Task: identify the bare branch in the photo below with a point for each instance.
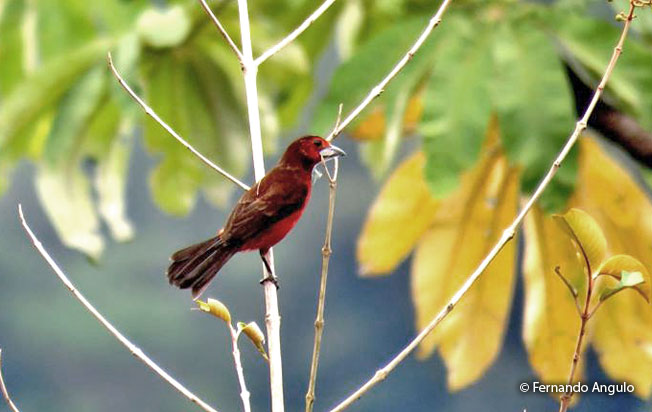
(137, 352)
(5, 393)
(380, 87)
(507, 235)
(326, 253)
(150, 112)
(295, 33)
(272, 316)
(222, 30)
(244, 393)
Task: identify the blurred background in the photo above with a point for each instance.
(111, 195)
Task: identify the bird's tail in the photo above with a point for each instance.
(195, 266)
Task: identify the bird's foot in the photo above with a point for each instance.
(270, 278)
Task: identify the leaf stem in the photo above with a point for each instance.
(151, 113)
(571, 289)
(135, 351)
(507, 235)
(5, 393)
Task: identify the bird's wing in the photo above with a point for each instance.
(266, 203)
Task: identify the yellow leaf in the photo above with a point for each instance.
(65, 194)
(255, 335)
(550, 311)
(413, 113)
(371, 127)
(374, 125)
(466, 226)
(622, 334)
(623, 325)
(215, 308)
(586, 235)
(399, 216)
(615, 265)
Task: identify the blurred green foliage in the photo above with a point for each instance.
(60, 107)
(504, 58)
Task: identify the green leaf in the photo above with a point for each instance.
(111, 184)
(591, 42)
(457, 104)
(11, 45)
(348, 26)
(629, 279)
(36, 93)
(534, 106)
(126, 58)
(197, 100)
(371, 62)
(65, 195)
(69, 25)
(174, 185)
(378, 155)
(586, 235)
(629, 272)
(162, 28)
(73, 116)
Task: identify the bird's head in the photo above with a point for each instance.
(307, 151)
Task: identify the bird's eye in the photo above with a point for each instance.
(317, 142)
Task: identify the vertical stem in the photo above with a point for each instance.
(584, 318)
(326, 252)
(244, 393)
(250, 72)
(272, 316)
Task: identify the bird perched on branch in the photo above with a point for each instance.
(262, 217)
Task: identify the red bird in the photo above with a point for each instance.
(263, 216)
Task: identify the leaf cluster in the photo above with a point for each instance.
(60, 108)
(501, 58)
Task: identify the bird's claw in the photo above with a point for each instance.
(271, 278)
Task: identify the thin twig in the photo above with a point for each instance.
(507, 235)
(326, 253)
(222, 30)
(295, 33)
(435, 20)
(272, 316)
(244, 393)
(564, 400)
(150, 112)
(135, 351)
(5, 393)
(571, 289)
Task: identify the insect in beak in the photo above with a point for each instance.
(331, 151)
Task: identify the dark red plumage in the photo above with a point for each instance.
(262, 217)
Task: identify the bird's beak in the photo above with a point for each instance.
(331, 151)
